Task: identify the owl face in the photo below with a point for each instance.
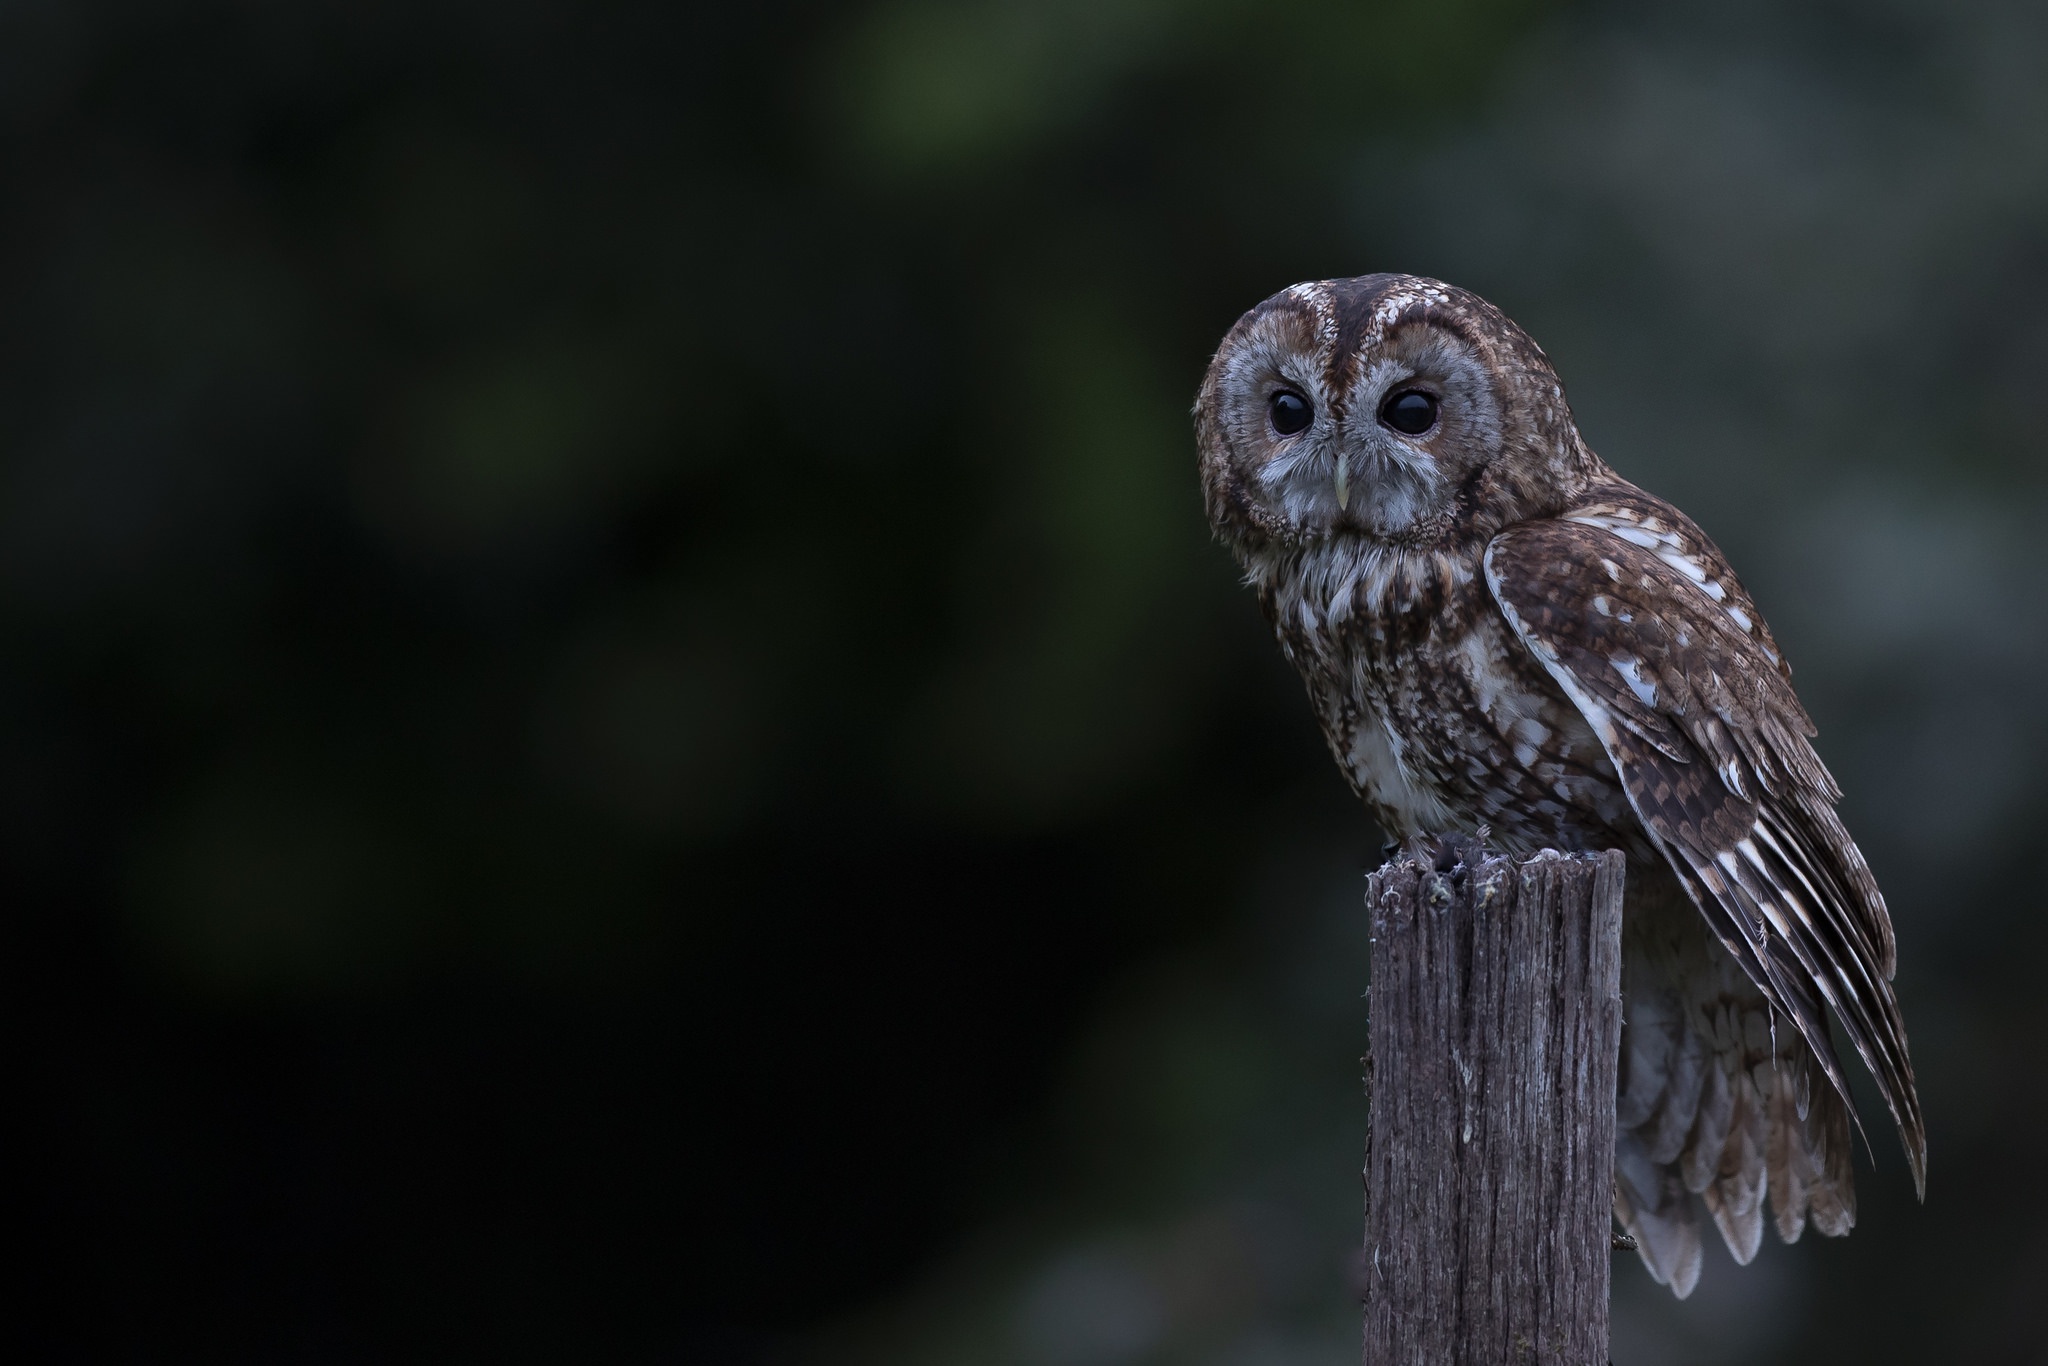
(1359, 407)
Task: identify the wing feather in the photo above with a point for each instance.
(1653, 640)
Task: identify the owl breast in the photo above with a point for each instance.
(1434, 710)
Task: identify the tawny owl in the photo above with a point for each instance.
(1498, 630)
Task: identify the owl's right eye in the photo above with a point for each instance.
(1290, 412)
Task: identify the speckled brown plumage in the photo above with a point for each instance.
(1497, 630)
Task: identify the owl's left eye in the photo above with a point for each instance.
(1412, 411)
(1290, 412)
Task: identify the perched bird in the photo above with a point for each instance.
(1498, 631)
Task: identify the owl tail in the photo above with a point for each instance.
(1721, 1107)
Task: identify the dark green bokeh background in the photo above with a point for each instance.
(620, 739)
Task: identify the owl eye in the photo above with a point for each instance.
(1410, 411)
(1291, 412)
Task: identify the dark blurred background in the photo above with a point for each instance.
(620, 739)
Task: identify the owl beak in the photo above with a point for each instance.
(1343, 480)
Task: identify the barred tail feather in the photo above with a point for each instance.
(1719, 1106)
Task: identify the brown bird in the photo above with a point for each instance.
(1498, 631)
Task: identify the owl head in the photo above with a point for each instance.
(1387, 407)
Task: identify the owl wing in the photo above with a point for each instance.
(1636, 616)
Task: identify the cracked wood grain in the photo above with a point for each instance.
(1495, 1033)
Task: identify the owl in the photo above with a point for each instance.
(1500, 633)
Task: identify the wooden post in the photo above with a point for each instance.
(1496, 1031)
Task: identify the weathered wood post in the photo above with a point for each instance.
(1495, 1033)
